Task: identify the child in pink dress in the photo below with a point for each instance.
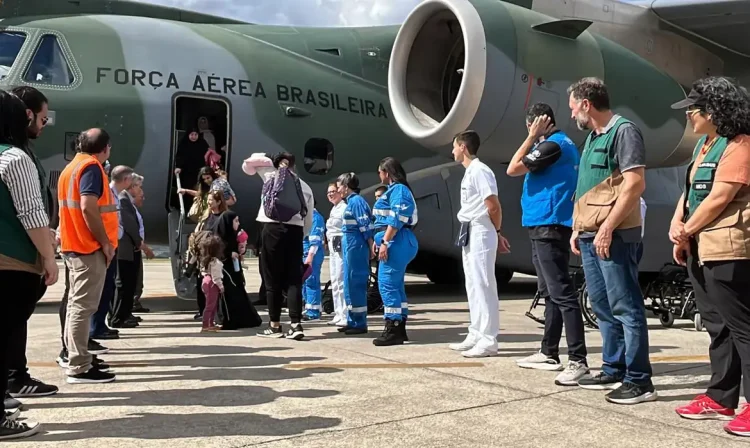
(211, 249)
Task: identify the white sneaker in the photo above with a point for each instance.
(574, 372)
(462, 346)
(477, 352)
(335, 321)
(540, 361)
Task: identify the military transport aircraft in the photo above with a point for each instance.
(341, 99)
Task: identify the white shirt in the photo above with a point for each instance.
(478, 184)
(306, 223)
(335, 221)
(643, 217)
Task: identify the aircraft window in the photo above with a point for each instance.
(10, 45)
(49, 65)
(318, 156)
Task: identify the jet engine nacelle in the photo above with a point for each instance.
(479, 64)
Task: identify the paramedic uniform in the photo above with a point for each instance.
(357, 231)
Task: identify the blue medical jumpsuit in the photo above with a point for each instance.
(311, 288)
(395, 208)
(357, 232)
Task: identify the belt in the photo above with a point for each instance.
(384, 228)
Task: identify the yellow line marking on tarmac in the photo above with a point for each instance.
(439, 365)
(680, 358)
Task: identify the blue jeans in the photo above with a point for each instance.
(99, 319)
(617, 301)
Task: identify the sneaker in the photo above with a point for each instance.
(573, 373)
(463, 346)
(336, 320)
(740, 426)
(704, 407)
(11, 404)
(11, 429)
(62, 359)
(12, 415)
(93, 376)
(96, 348)
(630, 393)
(296, 332)
(602, 381)
(478, 352)
(30, 387)
(540, 361)
(99, 364)
(271, 332)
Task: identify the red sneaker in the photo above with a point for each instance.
(740, 426)
(705, 408)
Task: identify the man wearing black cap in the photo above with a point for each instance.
(711, 230)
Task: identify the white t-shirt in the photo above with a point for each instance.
(478, 184)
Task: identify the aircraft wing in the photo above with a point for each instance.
(723, 22)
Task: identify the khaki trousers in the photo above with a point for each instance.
(87, 274)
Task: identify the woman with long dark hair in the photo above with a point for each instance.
(396, 246)
(711, 230)
(206, 178)
(357, 241)
(237, 311)
(26, 246)
(216, 206)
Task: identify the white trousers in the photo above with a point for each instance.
(481, 285)
(336, 264)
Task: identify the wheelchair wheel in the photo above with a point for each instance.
(667, 319)
(698, 322)
(588, 313)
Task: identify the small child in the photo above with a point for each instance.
(242, 245)
(210, 251)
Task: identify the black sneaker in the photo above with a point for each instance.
(12, 414)
(630, 393)
(296, 332)
(106, 336)
(99, 364)
(30, 387)
(602, 381)
(10, 429)
(93, 376)
(271, 332)
(11, 404)
(96, 348)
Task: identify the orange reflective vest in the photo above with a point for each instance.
(75, 235)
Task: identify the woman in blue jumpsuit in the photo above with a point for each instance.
(357, 242)
(313, 254)
(396, 246)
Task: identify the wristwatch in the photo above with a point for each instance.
(387, 243)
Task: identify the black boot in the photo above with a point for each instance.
(403, 328)
(392, 334)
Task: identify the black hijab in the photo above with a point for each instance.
(224, 229)
(191, 155)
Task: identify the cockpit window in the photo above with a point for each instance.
(10, 45)
(49, 65)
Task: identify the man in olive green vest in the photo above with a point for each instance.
(607, 229)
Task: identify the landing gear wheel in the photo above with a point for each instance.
(667, 319)
(698, 322)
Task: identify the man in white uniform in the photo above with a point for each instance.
(481, 218)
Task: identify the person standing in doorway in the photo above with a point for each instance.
(88, 238)
(480, 239)
(549, 160)
(335, 234)
(395, 246)
(607, 229)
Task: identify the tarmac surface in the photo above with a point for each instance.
(176, 387)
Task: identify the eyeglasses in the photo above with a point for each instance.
(331, 193)
(692, 112)
(44, 121)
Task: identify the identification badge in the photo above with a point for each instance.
(463, 235)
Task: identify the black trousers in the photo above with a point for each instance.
(64, 305)
(721, 293)
(127, 277)
(281, 264)
(17, 369)
(551, 255)
(17, 303)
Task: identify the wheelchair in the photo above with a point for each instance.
(672, 296)
(374, 300)
(579, 283)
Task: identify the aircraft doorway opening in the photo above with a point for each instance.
(208, 119)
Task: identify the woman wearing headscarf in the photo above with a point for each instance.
(189, 160)
(236, 308)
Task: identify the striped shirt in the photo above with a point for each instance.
(19, 174)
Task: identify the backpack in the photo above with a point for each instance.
(282, 196)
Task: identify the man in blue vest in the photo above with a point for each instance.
(549, 160)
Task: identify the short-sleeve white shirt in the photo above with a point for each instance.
(478, 184)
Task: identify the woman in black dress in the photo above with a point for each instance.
(236, 308)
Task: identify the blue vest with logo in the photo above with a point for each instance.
(547, 197)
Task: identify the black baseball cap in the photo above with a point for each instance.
(693, 99)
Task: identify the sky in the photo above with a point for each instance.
(302, 12)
